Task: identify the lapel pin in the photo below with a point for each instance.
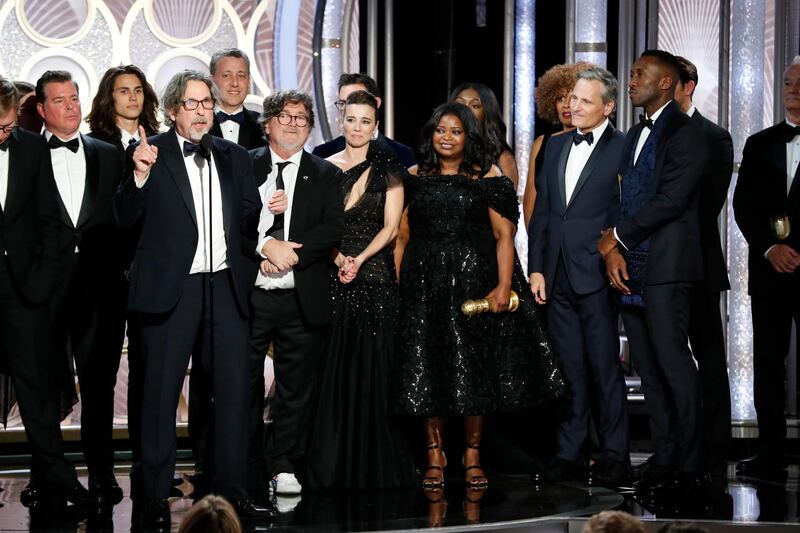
(305, 178)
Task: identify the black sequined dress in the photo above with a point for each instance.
(355, 442)
(457, 365)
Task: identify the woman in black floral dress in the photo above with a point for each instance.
(355, 443)
(456, 243)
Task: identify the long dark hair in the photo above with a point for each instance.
(493, 128)
(477, 160)
(103, 119)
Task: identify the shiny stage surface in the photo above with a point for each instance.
(512, 503)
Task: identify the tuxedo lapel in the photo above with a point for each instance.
(300, 196)
(92, 179)
(15, 155)
(62, 208)
(215, 130)
(262, 165)
(592, 162)
(562, 170)
(173, 159)
(222, 164)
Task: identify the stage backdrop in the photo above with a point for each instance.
(303, 44)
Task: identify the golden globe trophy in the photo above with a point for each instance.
(477, 307)
(781, 227)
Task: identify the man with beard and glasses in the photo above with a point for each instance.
(188, 287)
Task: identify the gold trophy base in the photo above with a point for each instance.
(480, 306)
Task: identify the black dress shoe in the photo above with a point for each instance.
(760, 467)
(682, 485)
(562, 470)
(105, 490)
(78, 495)
(30, 494)
(249, 510)
(151, 514)
(611, 473)
(653, 476)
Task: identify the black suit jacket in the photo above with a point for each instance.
(403, 153)
(572, 229)
(670, 218)
(760, 195)
(317, 223)
(713, 193)
(95, 234)
(169, 235)
(29, 221)
(251, 135)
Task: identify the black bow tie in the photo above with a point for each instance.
(191, 149)
(71, 145)
(222, 116)
(646, 122)
(580, 137)
(790, 132)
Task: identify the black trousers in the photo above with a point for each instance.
(772, 329)
(584, 331)
(708, 347)
(88, 314)
(26, 343)
(276, 319)
(659, 339)
(167, 340)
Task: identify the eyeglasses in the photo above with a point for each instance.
(340, 104)
(191, 104)
(8, 128)
(284, 119)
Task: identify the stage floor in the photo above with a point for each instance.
(512, 503)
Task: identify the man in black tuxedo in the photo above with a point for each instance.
(189, 283)
(230, 70)
(705, 320)
(653, 258)
(88, 303)
(767, 193)
(29, 262)
(291, 303)
(576, 186)
(350, 83)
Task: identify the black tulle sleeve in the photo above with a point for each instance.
(501, 196)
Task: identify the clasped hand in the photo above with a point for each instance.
(783, 258)
(280, 256)
(348, 270)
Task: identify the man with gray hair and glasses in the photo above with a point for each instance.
(196, 200)
(575, 191)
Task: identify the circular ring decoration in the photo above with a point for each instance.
(28, 70)
(43, 40)
(162, 35)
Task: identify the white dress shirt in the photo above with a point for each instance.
(578, 156)
(126, 138)
(69, 171)
(792, 158)
(281, 280)
(230, 129)
(210, 229)
(3, 177)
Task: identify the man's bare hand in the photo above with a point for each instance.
(783, 258)
(144, 157)
(278, 202)
(268, 268)
(281, 253)
(617, 270)
(607, 242)
(537, 288)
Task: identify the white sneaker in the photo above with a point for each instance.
(285, 483)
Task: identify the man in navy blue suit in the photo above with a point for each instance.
(575, 191)
(653, 258)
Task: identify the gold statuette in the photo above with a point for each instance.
(780, 226)
(476, 307)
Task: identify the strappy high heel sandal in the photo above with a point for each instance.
(475, 482)
(434, 482)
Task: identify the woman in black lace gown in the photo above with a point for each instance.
(457, 243)
(355, 443)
